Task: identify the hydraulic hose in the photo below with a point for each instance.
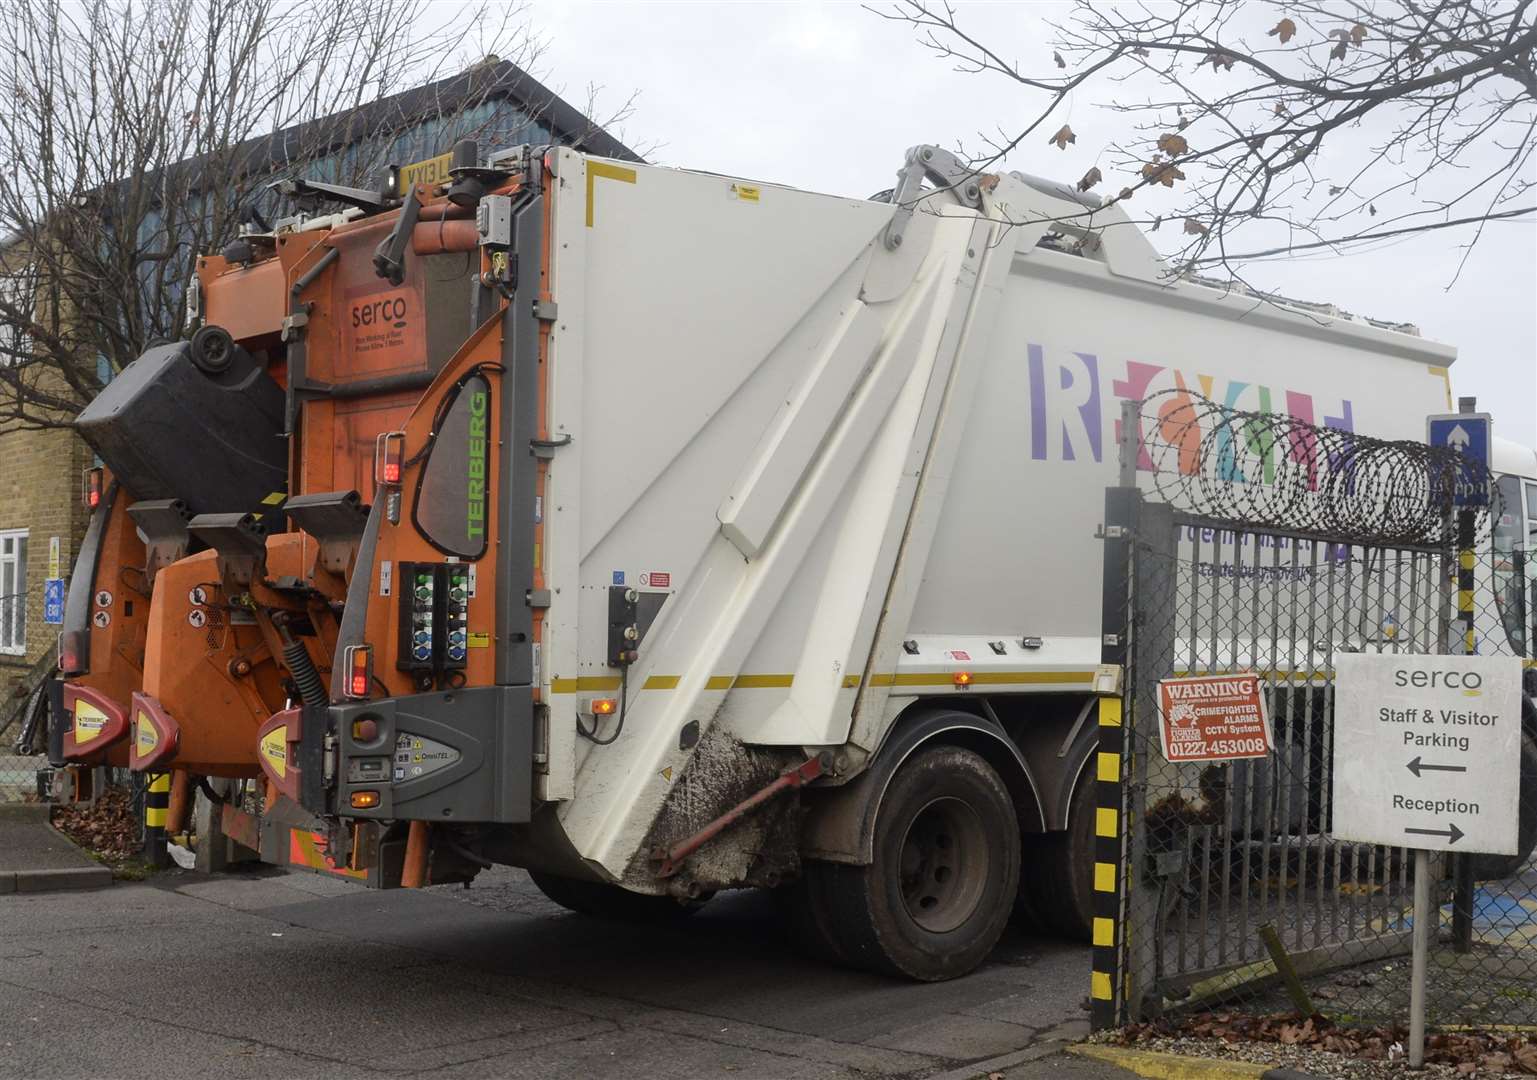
(297, 659)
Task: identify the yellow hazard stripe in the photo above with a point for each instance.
(1099, 986)
(1109, 712)
(761, 682)
(1105, 822)
(594, 683)
(1104, 931)
(1104, 877)
(596, 169)
(155, 816)
(1110, 767)
(982, 678)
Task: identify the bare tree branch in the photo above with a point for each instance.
(1271, 127)
(139, 134)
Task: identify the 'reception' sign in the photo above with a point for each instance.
(1427, 751)
(1213, 718)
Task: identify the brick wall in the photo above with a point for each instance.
(40, 492)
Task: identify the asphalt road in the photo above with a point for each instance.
(269, 974)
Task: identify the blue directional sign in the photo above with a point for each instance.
(1466, 434)
(53, 600)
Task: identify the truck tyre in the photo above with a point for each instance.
(1058, 883)
(1500, 867)
(937, 895)
(603, 901)
(809, 917)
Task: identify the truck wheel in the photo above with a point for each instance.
(604, 901)
(936, 897)
(809, 917)
(1499, 867)
(1059, 882)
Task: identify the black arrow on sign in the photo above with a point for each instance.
(1416, 765)
(1451, 832)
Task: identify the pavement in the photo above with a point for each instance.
(271, 973)
(35, 857)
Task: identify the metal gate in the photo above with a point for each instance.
(1254, 543)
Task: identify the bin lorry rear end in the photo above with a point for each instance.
(663, 532)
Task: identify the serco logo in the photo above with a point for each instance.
(390, 310)
(1460, 680)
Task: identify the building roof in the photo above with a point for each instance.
(494, 80)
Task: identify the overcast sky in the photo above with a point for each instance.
(828, 96)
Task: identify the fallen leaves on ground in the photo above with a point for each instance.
(107, 827)
(1468, 1051)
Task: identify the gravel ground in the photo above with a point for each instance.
(1320, 1063)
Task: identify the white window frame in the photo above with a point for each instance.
(13, 587)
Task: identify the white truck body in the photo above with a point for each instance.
(819, 446)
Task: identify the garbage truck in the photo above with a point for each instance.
(664, 532)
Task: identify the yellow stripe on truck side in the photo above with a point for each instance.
(746, 681)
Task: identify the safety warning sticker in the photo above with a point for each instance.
(274, 749)
(89, 721)
(145, 738)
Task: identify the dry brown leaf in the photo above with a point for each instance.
(1283, 30)
(1335, 190)
(988, 181)
(1357, 34)
(1195, 228)
(1220, 59)
(1126, 193)
(1280, 109)
(1373, 208)
(1164, 174)
(1090, 178)
(1140, 51)
(1413, 53)
(1173, 144)
(1063, 137)
(1061, 63)
(1338, 52)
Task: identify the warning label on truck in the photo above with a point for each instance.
(1213, 718)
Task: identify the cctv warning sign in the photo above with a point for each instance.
(1213, 718)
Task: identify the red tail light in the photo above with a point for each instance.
(358, 662)
(72, 653)
(92, 488)
(389, 454)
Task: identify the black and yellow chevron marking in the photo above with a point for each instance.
(157, 804)
(1107, 865)
(1465, 612)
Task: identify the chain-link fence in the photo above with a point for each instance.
(24, 731)
(1258, 549)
